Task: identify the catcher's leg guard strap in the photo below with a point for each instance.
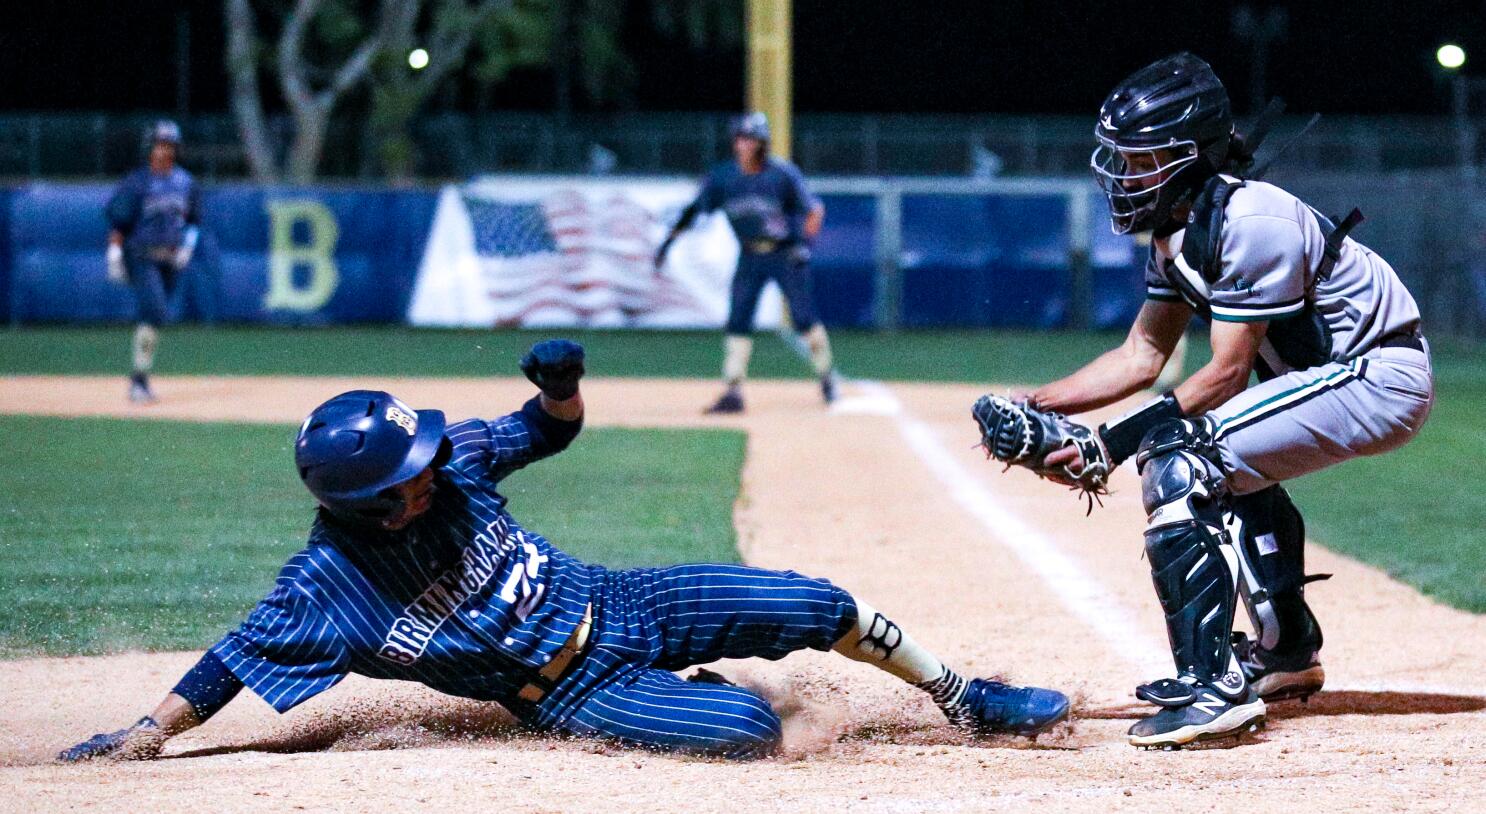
(1184, 542)
(1270, 535)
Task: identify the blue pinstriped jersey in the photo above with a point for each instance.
(770, 204)
(463, 600)
(153, 211)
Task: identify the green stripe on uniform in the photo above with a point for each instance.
(1321, 382)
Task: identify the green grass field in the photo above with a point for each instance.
(161, 535)
(111, 539)
(915, 355)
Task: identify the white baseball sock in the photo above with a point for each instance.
(878, 641)
(736, 352)
(820, 349)
(145, 340)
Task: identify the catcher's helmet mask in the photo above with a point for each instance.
(1176, 111)
(353, 451)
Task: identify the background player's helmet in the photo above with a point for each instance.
(163, 130)
(752, 125)
(357, 446)
(1177, 105)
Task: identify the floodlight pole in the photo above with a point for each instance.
(1465, 136)
(770, 73)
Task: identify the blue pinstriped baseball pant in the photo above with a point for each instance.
(153, 284)
(653, 621)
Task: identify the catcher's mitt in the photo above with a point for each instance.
(1015, 432)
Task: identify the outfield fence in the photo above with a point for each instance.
(1032, 253)
(452, 145)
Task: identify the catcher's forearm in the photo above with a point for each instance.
(1213, 384)
(1110, 377)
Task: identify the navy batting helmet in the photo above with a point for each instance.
(164, 130)
(1175, 111)
(752, 125)
(357, 446)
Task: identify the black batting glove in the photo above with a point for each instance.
(554, 366)
(142, 741)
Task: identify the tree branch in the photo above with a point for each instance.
(450, 45)
(351, 72)
(247, 100)
(291, 55)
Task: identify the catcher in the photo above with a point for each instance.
(1343, 371)
(415, 570)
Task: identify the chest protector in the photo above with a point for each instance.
(1301, 340)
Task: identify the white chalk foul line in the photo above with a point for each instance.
(1074, 586)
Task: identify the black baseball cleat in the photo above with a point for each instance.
(139, 389)
(992, 708)
(828, 387)
(1192, 711)
(731, 403)
(1279, 676)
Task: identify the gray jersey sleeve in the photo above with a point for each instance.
(1263, 270)
(1157, 286)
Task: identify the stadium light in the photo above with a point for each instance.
(1450, 56)
(417, 59)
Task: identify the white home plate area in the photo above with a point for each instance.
(1000, 573)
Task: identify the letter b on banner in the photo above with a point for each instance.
(314, 252)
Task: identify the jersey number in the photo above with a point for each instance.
(522, 588)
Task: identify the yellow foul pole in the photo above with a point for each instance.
(769, 68)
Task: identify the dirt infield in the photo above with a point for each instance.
(998, 572)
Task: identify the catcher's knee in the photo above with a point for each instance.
(1180, 475)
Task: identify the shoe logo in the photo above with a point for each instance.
(1210, 704)
(1231, 681)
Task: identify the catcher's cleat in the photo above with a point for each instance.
(139, 390)
(828, 387)
(992, 708)
(730, 403)
(1200, 714)
(1277, 676)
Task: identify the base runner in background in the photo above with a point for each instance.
(774, 216)
(416, 571)
(152, 218)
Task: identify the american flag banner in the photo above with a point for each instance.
(574, 252)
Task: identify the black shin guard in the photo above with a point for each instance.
(1271, 533)
(1196, 591)
(1184, 501)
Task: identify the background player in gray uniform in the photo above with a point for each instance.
(1344, 371)
(152, 217)
(774, 216)
(416, 571)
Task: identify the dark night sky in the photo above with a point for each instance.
(869, 55)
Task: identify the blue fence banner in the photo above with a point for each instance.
(267, 255)
(508, 251)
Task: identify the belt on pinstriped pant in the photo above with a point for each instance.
(566, 659)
